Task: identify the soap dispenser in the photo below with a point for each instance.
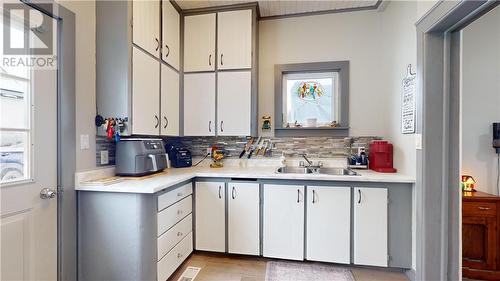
(283, 159)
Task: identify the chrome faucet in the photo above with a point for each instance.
(310, 163)
(307, 160)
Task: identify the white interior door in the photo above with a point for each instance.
(234, 39)
(169, 101)
(234, 103)
(199, 43)
(210, 218)
(370, 226)
(199, 104)
(329, 224)
(145, 94)
(171, 34)
(28, 164)
(283, 222)
(146, 25)
(243, 218)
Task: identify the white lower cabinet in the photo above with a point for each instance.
(370, 226)
(210, 216)
(170, 262)
(283, 221)
(328, 224)
(243, 218)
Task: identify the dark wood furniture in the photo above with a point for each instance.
(480, 236)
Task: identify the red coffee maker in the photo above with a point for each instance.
(380, 157)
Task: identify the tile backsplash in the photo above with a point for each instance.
(314, 147)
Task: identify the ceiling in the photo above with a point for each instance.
(279, 8)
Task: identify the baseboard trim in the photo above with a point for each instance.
(411, 273)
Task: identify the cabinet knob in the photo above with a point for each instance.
(179, 255)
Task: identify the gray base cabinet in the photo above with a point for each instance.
(126, 236)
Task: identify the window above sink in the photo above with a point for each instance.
(312, 99)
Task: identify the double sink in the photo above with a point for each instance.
(317, 170)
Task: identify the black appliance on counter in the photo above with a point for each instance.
(180, 157)
(496, 137)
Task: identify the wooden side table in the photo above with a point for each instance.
(480, 235)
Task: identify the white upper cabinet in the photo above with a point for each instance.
(199, 104)
(370, 226)
(243, 218)
(171, 34)
(234, 103)
(210, 216)
(199, 43)
(146, 25)
(169, 101)
(283, 233)
(145, 94)
(328, 224)
(234, 39)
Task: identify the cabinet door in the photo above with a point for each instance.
(283, 222)
(479, 242)
(171, 34)
(370, 226)
(210, 216)
(234, 39)
(199, 43)
(243, 218)
(234, 108)
(145, 94)
(328, 224)
(146, 25)
(199, 104)
(169, 101)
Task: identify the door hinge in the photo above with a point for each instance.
(389, 258)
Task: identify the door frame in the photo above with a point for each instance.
(66, 137)
(438, 195)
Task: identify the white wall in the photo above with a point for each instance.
(85, 79)
(481, 99)
(379, 45)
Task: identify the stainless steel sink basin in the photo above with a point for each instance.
(323, 171)
(294, 170)
(336, 172)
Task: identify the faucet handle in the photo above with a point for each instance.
(301, 164)
(320, 164)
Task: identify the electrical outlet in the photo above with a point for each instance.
(84, 142)
(104, 157)
(418, 141)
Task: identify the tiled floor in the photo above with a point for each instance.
(237, 268)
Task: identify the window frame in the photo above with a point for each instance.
(340, 67)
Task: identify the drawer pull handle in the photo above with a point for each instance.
(179, 255)
(179, 212)
(180, 194)
(484, 208)
(179, 234)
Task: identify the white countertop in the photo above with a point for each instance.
(173, 176)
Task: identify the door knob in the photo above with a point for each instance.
(47, 193)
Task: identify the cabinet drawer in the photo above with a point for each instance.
(169, 263)
(170, 238)
(173, 196)
(173, 214)
(482, 209)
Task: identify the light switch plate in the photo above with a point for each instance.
(104, 157)
(418, 141)
(84, 142)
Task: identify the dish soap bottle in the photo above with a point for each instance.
(282, 159)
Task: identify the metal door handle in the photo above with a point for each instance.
(210, 59)
(233, 193)
(210, 126)
(359, 198)
(314, 195)
(166, 122)
(298, 195)
(157, 44)
(47, 193)
(221, 124)
(157, 121)
(168, 50)
(220, 195)
(221, 59)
